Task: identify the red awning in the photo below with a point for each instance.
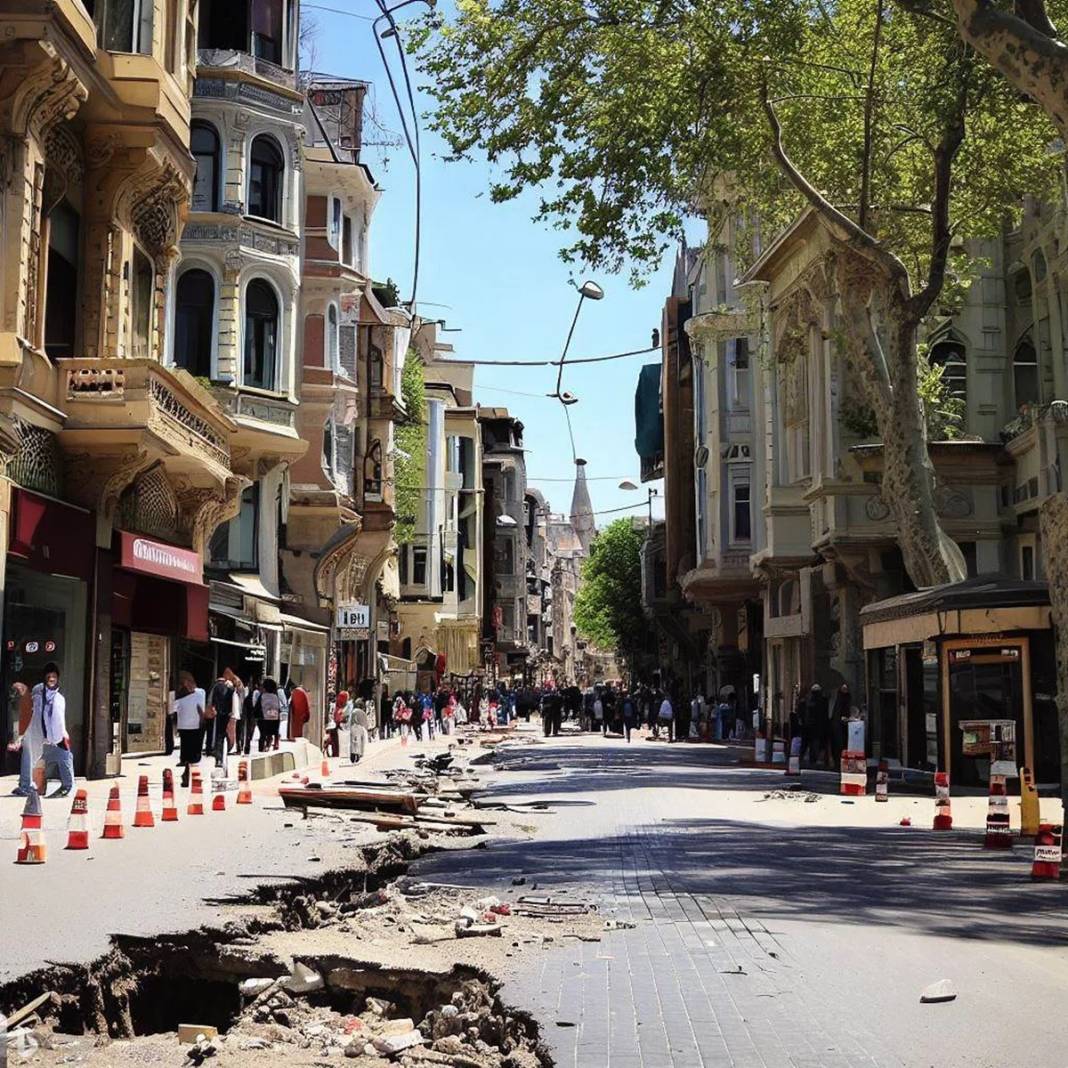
(158, 606)
(51, 536)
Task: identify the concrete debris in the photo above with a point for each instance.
(792, 794)
(303, 980)
(251, 988)
(943, 990)
(619, 925)
(393, 1044)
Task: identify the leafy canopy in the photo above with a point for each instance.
(626, 116)
(608, 605)
(410, 461)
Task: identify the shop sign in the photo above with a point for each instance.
(352, 614)
(353, 634)
(159, 558)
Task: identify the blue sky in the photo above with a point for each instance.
(487, 269)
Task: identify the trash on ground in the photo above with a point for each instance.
(943, 990)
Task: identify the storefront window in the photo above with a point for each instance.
(234, 544)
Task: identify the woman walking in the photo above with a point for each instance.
(189, 721)
(359, 726)
(333, 726)
(269, 714)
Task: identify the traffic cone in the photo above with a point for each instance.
(32, 848)
(853, 774)
(244, 792)
(78, 824)
(218, 797)
(196, 795)
(324, 771)
(998, 835)
(882, 782)
(143, 815)
(170, 810)
(113, 827)
(1047, 862)
(943, 820)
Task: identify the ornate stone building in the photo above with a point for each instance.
(339, 546)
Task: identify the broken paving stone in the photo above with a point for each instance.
(400, 1026)
(303, 980)
(943, 990)
(392, 1044)
(379, 1006)
(251, 988)
(476, 930)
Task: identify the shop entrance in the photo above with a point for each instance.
(44, 620)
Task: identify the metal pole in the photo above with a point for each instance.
(567, 344)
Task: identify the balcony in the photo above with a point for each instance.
(116, 403)
(265, 425)
(229, 61)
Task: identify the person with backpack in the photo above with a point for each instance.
(598, 713)
(218, 712)
(666, 716)
(629, 709)
(268, 712)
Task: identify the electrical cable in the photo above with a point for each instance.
(555, 363)
(338, 11)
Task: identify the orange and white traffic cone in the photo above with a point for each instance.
(218, 797)
(943, 820)
(170, 810)
(882, 782)
(324, 771)
(853, 774)
(1047, 862)
(32, 849)
(244, 791)
(113, 827)
(78, 824)
(196, 795)
(998, 834)
(143, 815)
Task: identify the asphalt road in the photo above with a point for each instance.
(770, 933)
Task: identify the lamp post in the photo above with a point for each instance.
(626, 484)
(587, 291)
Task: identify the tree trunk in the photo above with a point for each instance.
(931, 556)
(1053, 519)
(886, 365)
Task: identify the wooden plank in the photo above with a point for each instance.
(28, 1009)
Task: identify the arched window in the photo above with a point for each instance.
(332, 337)
(261, 335)
(204, 144)
(194, 322)
(950, 356)
(266, 166)
(1025, 373)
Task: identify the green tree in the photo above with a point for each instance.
(410, 437)
(608, 605)
(626, 115)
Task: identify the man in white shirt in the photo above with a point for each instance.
(56, 749)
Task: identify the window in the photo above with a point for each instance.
(141, 305)
(335, 223)
(740, 364)
(1025, 373)
(261, 335)
(332, 339)
(125, 25)
(267, 30)
(265, 179)
(402, 564)
(233, 545)
(194, 322)
(223, 24)
(950, 356)
(742, 512)
(204, 144)
(376, 367)
(346, 242)
(1021, 285)
(61, 295)
(328, 448)
(1027, 563)
(419, 565)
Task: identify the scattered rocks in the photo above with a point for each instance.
(936, 993)
(303, 980)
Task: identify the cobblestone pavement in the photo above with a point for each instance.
(765, 944)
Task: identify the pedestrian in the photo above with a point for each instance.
(816, 725)
(283, 717)
(402, 715)
(359, 726)
(796, 721)
(237, 704)
(299, 711)
(683, 717)
(31, 738)
(268, 714)
(334, 721)
(740, 726)
(218, 712)
(630, 714)
(843, 704)
(666, 716)
(55, 747)
(598, 713)
(189, 720)
(249, 717)
(385, 715)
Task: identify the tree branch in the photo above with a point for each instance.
(840, 225)
(941, 230)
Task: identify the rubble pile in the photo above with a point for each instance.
(318, 1012)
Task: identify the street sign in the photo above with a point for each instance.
(353, 634)
(352, 614)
